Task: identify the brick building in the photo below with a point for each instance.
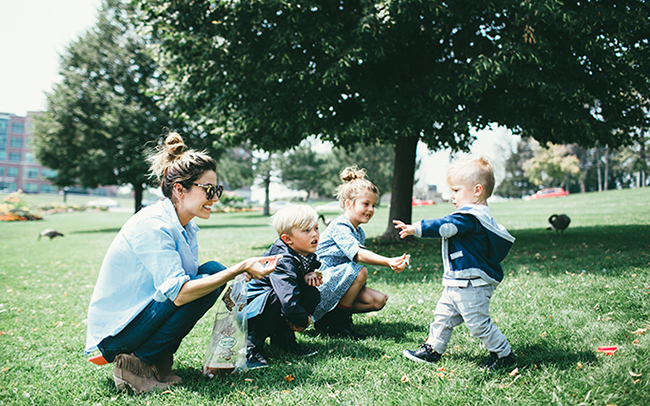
(18, 168)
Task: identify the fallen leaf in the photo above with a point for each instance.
(286, 391)
(636, 342)
(5, 369)
(404, 379)
(289, 378)
(633, 374)
(248, 380)
(579, 365)
(640, 331)
(514, 372)
(636, 380)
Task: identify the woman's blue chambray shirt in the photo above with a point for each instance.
(150, 259)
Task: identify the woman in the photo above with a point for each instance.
(151, 290)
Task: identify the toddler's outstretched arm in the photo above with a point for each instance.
(405, 229)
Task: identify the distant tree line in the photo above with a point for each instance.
(531, 167)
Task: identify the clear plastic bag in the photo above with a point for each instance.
(227, 349)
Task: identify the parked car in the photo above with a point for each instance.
(548, 192)
(275, 206)
(331, 207)
(420, 202)
(103, 202)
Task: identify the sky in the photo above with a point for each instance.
(34, 33)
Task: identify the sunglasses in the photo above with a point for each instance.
(211, 190)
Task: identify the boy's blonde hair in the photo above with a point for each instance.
(473, 170)
(354, 185)
(294, 217)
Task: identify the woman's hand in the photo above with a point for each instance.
(405, 229)
(314, 279)
(259, 267)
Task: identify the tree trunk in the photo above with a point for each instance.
(598, 165)
(137, 194)
(402, 189)
(606, 174)
(267, 193)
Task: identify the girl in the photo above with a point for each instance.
(151, 290)
(341, 251)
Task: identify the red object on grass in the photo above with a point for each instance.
(608, 350)
(98, 359)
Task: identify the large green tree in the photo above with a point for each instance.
(398, 72)
(101, 118)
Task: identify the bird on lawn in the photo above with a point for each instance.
(559, 222)
(326, 222)
(49, 232)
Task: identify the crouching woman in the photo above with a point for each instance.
(151, 290)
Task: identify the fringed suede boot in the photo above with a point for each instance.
(132, 372)
(163, 369)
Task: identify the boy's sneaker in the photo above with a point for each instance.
(292, 347)
(255, 360)
(302, 352)
(494, 362)
(423, 354)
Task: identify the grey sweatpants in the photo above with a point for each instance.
(472, 306)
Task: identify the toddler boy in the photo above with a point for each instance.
(473, 245)
(282, 302)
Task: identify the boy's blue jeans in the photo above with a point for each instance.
(160, 326)
(470, 305)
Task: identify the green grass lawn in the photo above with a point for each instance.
(563, 297)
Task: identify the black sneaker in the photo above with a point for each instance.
(292, 347)
(423, 354)
(255, 360)
(494, 362)
(302, 352)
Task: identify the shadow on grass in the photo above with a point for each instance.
(537, 355)
(385, 330)
(100, 230)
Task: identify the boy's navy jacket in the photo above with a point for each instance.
(473, 244)
(288, 282)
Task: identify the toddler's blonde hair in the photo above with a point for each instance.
(354, 185)
(294, 217)
(473, 170)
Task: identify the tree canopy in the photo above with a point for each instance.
(100, 118)
(398, 72)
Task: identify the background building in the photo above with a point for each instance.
(18, 168)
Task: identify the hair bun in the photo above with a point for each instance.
(174, 145)
(352, 173)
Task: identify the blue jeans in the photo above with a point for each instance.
(160, 326)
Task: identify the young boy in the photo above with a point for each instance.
(473, 245)
(283, 302)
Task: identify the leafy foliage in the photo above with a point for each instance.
(101, 119)
(551, 166)
(274, 72)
